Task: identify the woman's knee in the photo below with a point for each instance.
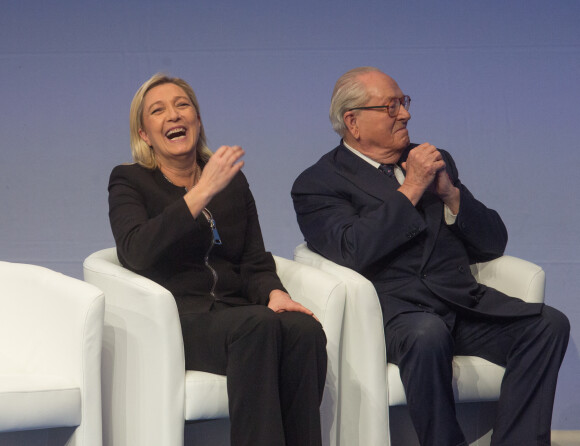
(257, 322)
(301, 327)
(556, 322)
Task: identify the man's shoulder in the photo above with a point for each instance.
(321, 169)
(329, 159)
(318, 173)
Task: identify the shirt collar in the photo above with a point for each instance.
(362, 155)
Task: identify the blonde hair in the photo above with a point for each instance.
(142, 153)
(349, 92)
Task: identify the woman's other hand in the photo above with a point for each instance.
(281, 302)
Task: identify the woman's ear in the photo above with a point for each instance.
(144, 137)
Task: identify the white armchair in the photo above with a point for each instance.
(50, 356)
(147, 395)
(368, 388)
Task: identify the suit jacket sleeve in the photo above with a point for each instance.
(480, 228)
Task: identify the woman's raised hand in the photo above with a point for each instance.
(224, 164)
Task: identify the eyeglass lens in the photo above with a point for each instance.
(396, 103)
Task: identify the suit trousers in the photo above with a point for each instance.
(530, 348)
(275, 364)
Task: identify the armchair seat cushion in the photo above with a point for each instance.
(38, 401)
(206, 396)
(474, 379)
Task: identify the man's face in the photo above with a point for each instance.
(378, 134)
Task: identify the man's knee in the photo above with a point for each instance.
(432, 337)
(420, 335)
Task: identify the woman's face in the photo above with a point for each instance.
(170, 123)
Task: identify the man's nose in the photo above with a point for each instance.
(404, 114)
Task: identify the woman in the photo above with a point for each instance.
(186, 219)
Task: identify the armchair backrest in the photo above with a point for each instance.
(142, 349)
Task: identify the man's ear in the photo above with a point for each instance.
(144, 137)
(351, 124)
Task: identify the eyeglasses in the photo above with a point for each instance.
(392, 108)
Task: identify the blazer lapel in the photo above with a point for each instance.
(433, 211)
(363, 175)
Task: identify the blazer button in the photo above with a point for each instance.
(461, 269)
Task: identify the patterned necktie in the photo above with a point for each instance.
(388, 169)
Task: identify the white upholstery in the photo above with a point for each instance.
(50, 352)
(147, 396)
(209, 396)
(367, 387)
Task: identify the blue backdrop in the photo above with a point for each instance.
(495, 83)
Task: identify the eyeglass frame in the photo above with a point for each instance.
(405, 101)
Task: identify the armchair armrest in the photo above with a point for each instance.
(324, 295)
(363, 375)
(512, 276)
(142, 349)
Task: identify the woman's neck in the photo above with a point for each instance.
(182, 176)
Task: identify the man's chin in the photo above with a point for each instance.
(403, 131)
(405, 140)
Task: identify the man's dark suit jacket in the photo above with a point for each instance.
(352, 214)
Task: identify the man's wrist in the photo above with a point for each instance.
(453, 200)
(412, 192)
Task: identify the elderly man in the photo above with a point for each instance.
(397, 213)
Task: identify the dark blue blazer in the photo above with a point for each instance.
(352, 214)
